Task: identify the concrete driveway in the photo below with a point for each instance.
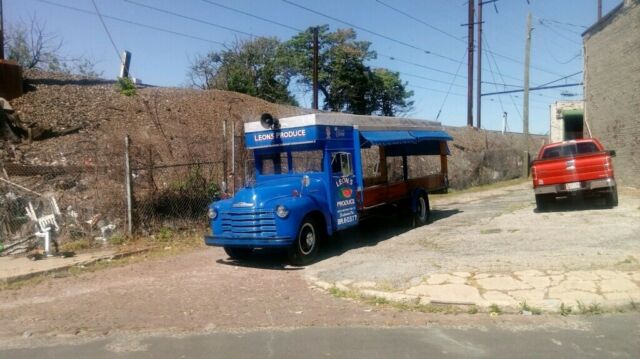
(494, 247)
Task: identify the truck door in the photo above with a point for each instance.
(343, 189)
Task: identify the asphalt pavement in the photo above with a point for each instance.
(610, 336)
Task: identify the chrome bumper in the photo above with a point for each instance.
(584, 186)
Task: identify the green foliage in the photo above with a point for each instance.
(264, 67)
(126, 86)
(117, 240)
(565, 309)
(253, 67)
(196, 185)
(524, 307)
(165, 234)
(346, 82)
(494, 308)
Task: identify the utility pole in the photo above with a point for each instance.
(315, 68)
(1, 32)
(470, 65)
(479, 90)
(599, 9)
(525, 104)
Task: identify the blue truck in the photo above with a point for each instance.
(320, 173)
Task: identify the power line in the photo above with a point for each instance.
(435, 90)
(370, 31)
(429, 79)
(393, 58)
(486, 43)
(421, 21)
(252, 15)
(130, 22)
(562, 78)
(464, 54)
(106, 29)
(558, 33)
(456, 38)
(533, 89)
(191, 18)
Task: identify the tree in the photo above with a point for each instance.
(346, 82)
(390, 93)
(32, 46)
(253, 67)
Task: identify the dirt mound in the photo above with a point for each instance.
(179, 123)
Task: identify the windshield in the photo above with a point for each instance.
(569, 150)
(290, 162)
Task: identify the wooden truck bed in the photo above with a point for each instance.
(384, 193)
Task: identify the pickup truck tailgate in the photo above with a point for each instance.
(573, 169)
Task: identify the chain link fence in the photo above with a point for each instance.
(84, 197)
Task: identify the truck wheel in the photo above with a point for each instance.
(238, 253)
(423, 213)
(542, 202)
(612, 198)
(305, 247)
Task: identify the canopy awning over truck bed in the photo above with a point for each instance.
(385, 138)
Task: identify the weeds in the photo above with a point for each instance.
(494, 308)
(565, 309)
(593, 308)
(524, 307)
(126, 86)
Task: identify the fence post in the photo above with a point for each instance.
(127, 183)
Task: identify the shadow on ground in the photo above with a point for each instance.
(570, 204)
(368, 233)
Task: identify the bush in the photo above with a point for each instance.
(126, 86)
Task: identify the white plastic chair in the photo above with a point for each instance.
(45, 225)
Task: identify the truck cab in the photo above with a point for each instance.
(310, 181)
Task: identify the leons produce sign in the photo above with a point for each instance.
(346, 213)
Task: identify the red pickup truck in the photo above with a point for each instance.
(574, 168)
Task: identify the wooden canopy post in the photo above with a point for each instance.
(444, 169)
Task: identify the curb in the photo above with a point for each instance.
(21, 277)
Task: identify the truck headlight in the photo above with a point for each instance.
(282, 211)
(212, 213)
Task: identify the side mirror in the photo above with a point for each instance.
(612, 153)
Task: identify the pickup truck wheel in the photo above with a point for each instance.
(542, 202)
(238, 253)
(422, 213)
(305, 247)
(612, 198)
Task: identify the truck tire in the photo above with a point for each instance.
(611, 198)
(422, 213)
(238, 253)
(305, 247)
(542, 202)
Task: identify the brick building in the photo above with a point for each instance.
(612, 86)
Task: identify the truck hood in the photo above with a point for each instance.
(267, 193)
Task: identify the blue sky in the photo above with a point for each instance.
(161, 58)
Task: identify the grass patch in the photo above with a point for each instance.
(494, 308)
(593, 308)
(628, 260)
(180, 243)
(76, 245)
(491, 231)
(524, 307)
(403, 306)
(565, 309)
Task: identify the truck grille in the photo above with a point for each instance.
(249, 223)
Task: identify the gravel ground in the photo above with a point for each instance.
(201, 292)
(497, 230)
